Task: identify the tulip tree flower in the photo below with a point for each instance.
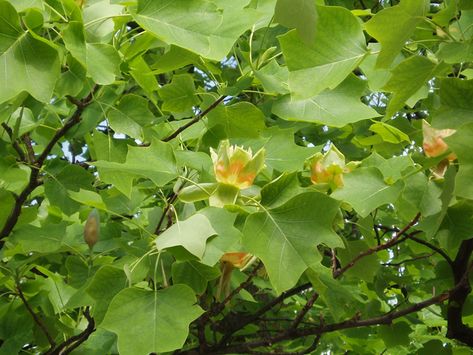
(235, 169)
(435, 146)
(236, 166)
(433, 143)
(229, 262)
(329, 168)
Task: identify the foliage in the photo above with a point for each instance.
(246, 176)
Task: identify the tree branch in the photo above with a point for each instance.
(194, 120)
(300, 316)
(456, 329)
(34, 181)
(76, 340)
(355, 322)
(393, 241)
(239, 321)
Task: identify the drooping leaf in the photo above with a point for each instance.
(337, 48)
(460, 143)
(194, 274)
(195, 25)
(156, 162)
(179, 95)
(336, 108)
(365, 190)
(286, 238)
(130, 115)
(57, 186)
(239, 120)
(299, 14)
(401, 84)
(192, 234)
(30, 63)
(393, 26)
(164, 317)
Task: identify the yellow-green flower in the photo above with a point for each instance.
(433, 143)
(329, 168)
(236, 166)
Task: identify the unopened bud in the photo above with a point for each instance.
(92, 228)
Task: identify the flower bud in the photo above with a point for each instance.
(92, 228)
(237, 259)
(329, 168)
(433, 143)
(236, 166)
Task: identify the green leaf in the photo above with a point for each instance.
(7, 201)
(337, 49)
(98, 20)
(458, 221)
(335, 108)
(200, 26)
(228, 237)
(391, 168)
(156, 162)
(456, 97)
(286, 238)
(401, 84)
(460, 143)
(456, 52)
(192, 234)
(364, 269)
(194, 274)
(70, 178)
(365, 190)
(104, 285)
(393, 26)
(389, 133)
(422, 195)
(274, 78)
(45, 239)
(282, 153)
(88, 198)
(163, 317)
(179, 95)
(29, 63)
(395, 334)
(239, 120)
(130, 116)
(103, 63)
(280, 190)
(299, 14)
(73, 36)
(142, 73)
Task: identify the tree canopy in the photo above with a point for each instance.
(232, 177)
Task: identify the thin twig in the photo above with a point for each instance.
(420, 257)
(434, 248)
(194, 120)
(170, 200)
(14, 143)
(29, 148)
(300, 316)
(36, 317)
